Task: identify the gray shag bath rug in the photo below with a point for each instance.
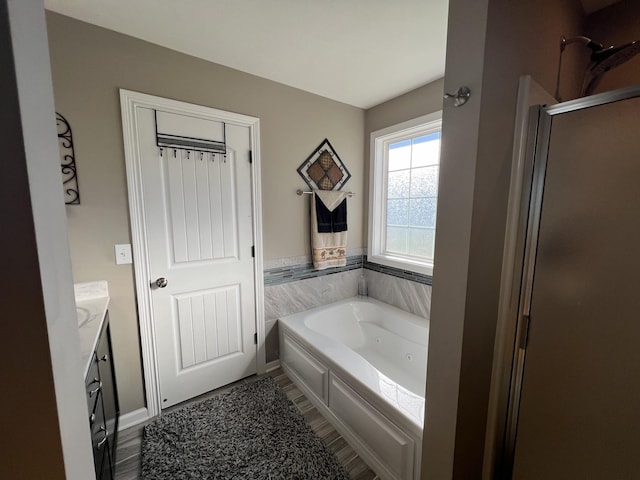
(251, 432)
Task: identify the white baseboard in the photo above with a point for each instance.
(133, 418)
(271, 366)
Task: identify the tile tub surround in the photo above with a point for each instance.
(292, 286)
(310, 292)
(408, 295)
(298, 296)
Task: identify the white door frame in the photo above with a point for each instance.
(129, 101)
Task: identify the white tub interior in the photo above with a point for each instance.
(394, 342)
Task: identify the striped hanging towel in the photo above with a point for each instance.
(328, 229)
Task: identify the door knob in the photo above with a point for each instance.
(161, 282)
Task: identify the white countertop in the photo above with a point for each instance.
(92, 301)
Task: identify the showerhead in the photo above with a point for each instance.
(606, 59)
(602, 60)
(586, 41)
(611, 57)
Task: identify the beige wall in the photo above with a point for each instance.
(421, 101)
(464, 66)
(89, 65)
(491, 43)
(522, 38)
(617, 25)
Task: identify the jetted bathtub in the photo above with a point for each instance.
(363, 364)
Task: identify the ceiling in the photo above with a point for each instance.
(591, 6)
(360, 52)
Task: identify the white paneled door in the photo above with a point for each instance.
(198, 219)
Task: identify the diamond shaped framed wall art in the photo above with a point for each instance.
(323, 169)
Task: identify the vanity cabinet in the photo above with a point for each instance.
(102, 404)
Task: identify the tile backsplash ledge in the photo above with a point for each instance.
(294, 273)
(292, 285)
(291, 269)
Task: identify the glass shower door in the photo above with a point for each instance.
(579, 406)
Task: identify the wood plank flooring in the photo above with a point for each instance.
(130, 440)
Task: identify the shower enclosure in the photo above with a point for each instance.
(574, 389)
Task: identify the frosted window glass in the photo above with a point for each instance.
(424, 181)
(412, 190)
(422, 212)
(398, 184)
(397, 239)
(421, 241)
(397, 212)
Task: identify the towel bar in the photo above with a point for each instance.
(302, 192)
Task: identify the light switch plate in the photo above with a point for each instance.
(123, 254)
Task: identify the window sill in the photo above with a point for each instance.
(401, 264)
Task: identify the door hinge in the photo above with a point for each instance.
(250, 156)
(253, 251)
(255, 338)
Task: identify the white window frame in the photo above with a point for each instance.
(378, 173)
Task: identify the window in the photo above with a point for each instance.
(405, 161)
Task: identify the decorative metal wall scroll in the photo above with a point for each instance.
(323, 169)
(67, 161)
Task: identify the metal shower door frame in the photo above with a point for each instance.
(538, 140)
